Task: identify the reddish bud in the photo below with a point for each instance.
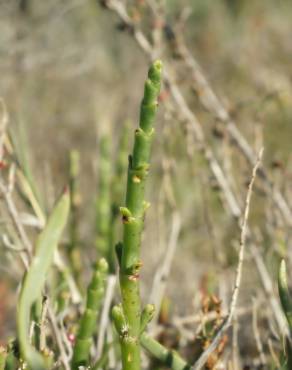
(71, 337)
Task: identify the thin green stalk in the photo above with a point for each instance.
(103, 202)
(133, 220)
(95, 293)
(74, 250)
(170, 358)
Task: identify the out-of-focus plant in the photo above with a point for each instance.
(88, 322)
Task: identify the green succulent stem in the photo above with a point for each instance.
(170, 358)
(133, 221)
(146, 316)
(95, 293)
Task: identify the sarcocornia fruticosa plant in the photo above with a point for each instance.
(74, 295)
(65, 324)
(128, 316)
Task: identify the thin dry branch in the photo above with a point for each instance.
(58, 337)
(104, 319)
(13, 213)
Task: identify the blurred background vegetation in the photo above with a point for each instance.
(70, 72)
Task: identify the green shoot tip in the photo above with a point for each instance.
(102, 265)
(155, 72)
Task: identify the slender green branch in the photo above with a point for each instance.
(133, 220)
(146, 316)
(170, 358)
(88, 322)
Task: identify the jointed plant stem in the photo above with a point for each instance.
(128, 316)
(170, 358)
(95, 293)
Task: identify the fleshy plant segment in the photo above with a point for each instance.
(95, 293)
(127, 316)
